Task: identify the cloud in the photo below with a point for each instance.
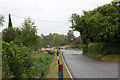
(55, 10)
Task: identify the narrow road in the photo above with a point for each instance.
(82, 66)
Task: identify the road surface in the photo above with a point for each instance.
(81, 66)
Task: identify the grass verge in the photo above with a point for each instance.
(53, 69)
(65, 72)
(0, 68)
(110, 57)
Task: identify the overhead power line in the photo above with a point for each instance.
(42, 20)
(56, 27)
(52, 27)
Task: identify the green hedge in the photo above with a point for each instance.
(102, 48)
(85, 49)
(95, 48)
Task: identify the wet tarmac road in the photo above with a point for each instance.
(81, 66)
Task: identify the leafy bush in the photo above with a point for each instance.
(95, 48)
(103, 48)
(85, 49)
(19, 63)
(52, 52)
(16, 60)
(41, 62)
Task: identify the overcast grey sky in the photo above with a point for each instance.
(50, 16)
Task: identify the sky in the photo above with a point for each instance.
(50, 16)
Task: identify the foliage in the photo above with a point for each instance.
(1, 20)
(41, 62)
(95, 48)
(59, 40)
(47, 40)
(85, 49)
(101, 49)
(16, 59)
(16, 54)
(9, 34)
(52, 52)
(98, 25)
(70, 36)
(10, 22)
(19, 63)
(77, 43)
(28, 35)
(54, 40)
(38, 43)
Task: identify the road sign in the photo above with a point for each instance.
(58, 62)
(58, 59)
(58, 51)
(60, 68)
(60, 72)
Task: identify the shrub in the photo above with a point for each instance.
(41, 62)
(95, 48)
(85, 49)
(52, 52)
(103, 48)
(17, 60)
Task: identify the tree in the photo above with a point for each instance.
(47, 40)
(98, 25)
(59, 40)
(9, 34)
(10, 22)
(1, 20)
(28, 35)
(39, 43)
(70, 35)
(77, 43)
